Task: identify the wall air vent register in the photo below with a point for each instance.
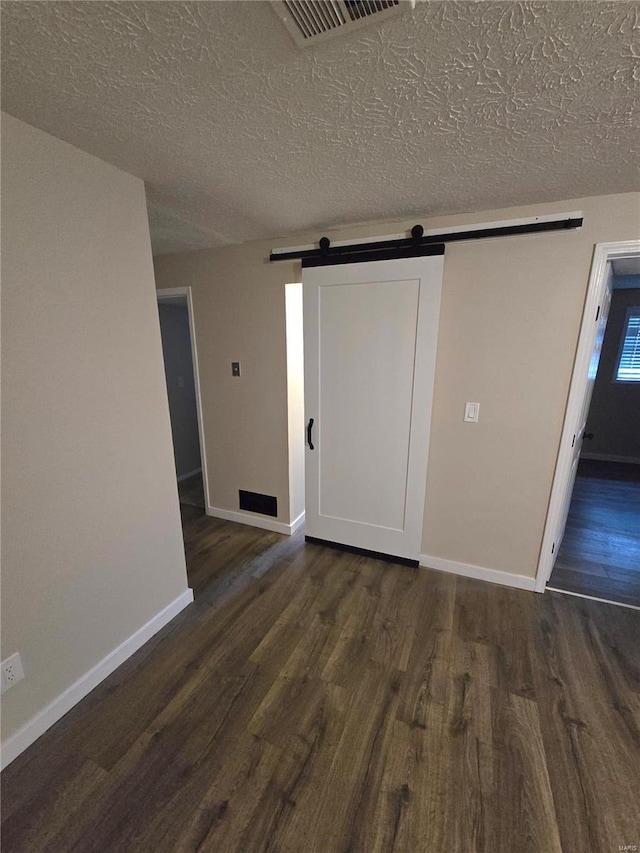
(308, 21)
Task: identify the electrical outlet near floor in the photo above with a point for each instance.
(12, 671)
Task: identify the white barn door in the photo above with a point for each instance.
(370, 335)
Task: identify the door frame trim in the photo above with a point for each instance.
(166, 295)
(602, 254)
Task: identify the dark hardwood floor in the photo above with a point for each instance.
(191, 491)
(314, 700)
(600, 552)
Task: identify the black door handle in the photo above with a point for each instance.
(588, 435)
(309, 428)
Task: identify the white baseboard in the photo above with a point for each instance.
(607, 457)
(189, 474)
(297, 523)
(44, 719)
(256, 520)
(478, 572)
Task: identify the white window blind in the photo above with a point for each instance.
(628, 369)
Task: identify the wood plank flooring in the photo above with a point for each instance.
(314, 700)
(600, 552)
(191, 491)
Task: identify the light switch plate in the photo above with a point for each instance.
(235, 368)
(471, 412)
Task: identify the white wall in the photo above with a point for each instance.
(510, 317)
(239, 315)
(91, 539)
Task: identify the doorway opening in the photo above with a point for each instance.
(175, 309)
(592, 538)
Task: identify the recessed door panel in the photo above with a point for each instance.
(367, 355)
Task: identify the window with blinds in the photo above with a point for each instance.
(628, 368)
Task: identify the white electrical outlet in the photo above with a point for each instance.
(12, 671)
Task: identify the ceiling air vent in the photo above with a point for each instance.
(308, 21)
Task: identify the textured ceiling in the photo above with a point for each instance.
(457, 106)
